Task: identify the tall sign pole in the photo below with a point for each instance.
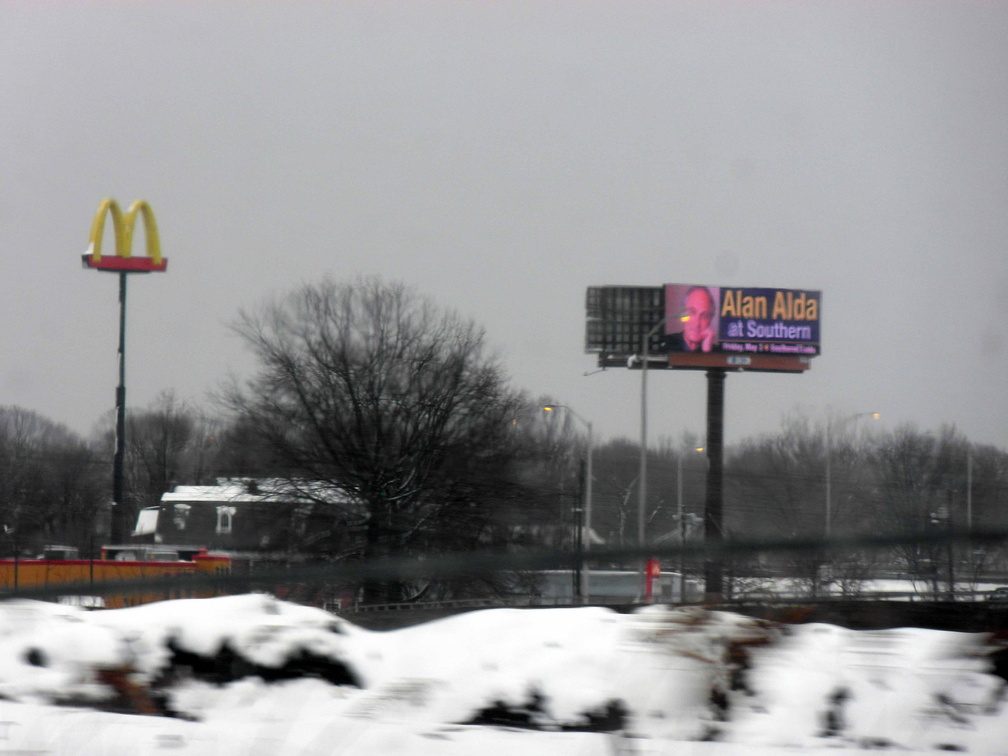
(119, 460)
(713, 509)
(123, 263)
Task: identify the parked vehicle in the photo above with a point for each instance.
(999, 594)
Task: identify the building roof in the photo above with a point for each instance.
(249, 490)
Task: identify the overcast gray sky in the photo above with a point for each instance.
(501, 157)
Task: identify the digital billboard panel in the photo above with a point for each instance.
(618, 318)
(741, 320)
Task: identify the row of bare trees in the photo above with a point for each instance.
(369, 388)
(47, 480)
(55, 484)
(905, 481)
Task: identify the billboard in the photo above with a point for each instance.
(746, 321)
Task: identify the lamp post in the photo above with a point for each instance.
(585, 542)
(829, 442)
(969, 491)
(642, 488)
(682, 528)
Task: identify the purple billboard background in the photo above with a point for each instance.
(742, 320)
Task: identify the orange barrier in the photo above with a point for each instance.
(28, 573)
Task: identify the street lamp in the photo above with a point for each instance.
(642, 488)
(829, 442)
(585, 541)
(969, 490)
(682, 529)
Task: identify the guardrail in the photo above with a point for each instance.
(962, 597)
(483, 564)
(334, 605)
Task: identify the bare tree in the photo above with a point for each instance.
(775, 491)
(983, 504)
(51, 489)
(617, 466)
(553, 454)
(169, 442)
(370, 389)
(921, 488)
(158, 440)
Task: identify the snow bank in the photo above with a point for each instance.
(249, 673)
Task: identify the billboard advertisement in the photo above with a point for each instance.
(750, 321)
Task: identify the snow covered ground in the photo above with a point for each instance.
(253, 675)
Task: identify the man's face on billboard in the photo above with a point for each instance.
(699, 311)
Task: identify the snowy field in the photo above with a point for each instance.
(254, 675)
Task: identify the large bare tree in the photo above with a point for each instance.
(368, 389)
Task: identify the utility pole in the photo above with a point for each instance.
(642, 487)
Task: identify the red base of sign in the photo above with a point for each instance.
(125, 264)
(774, 363)
(753, 363)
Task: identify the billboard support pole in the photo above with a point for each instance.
(713, 511)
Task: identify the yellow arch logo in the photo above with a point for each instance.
(122, 229)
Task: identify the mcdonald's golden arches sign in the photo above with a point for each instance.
(122, 228)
